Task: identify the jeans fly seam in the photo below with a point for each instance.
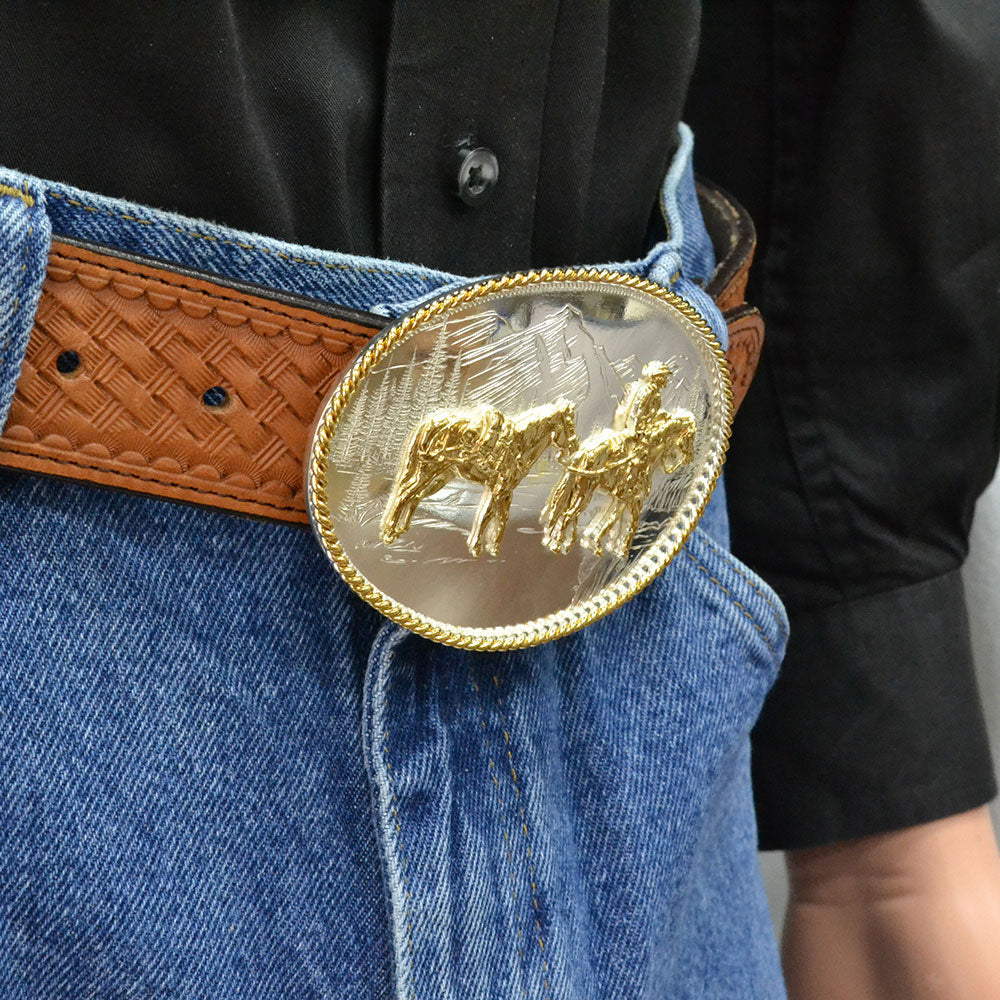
(736, 603)
(508, 846)
(732, 564)
(529, 853)
(192, 235)
(402, 855)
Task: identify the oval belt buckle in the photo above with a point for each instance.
(516, 459)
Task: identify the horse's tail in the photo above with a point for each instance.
(558, 525)
(557, 499)
(395, 519)
(416, 449)
(681, 450)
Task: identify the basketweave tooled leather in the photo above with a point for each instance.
(152, 341)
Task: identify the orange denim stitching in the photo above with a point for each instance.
(503, 826)
(22, 194)
(734, 566)
(749, 617)
(529, 854)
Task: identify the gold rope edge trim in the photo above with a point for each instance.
(559, 623)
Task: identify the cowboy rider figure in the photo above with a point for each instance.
(642, 399)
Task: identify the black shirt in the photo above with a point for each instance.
(864, 137)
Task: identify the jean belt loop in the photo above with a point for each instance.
(25, 235)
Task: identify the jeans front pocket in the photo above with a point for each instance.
(657, 707)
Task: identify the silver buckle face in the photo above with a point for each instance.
(516, 459)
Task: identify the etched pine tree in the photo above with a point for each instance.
(380, 422)
(370, 458)
(429, 383)
(697, 401)
(355, 495)
(358, 415)
(400, 429)
(452, 395)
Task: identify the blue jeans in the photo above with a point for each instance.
(224, 775)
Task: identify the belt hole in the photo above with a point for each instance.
(215, 398)
(67, 362)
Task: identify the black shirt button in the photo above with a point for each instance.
(478, 173)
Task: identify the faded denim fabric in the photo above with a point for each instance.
(224, 775)
(24, 243)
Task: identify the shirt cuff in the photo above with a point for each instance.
(875, 722)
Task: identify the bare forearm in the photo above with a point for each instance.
(912, 914)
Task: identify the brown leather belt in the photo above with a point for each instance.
(145, 378)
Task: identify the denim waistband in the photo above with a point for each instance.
(32, 210)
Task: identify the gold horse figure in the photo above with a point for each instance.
(619, 462)
(486, 447)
